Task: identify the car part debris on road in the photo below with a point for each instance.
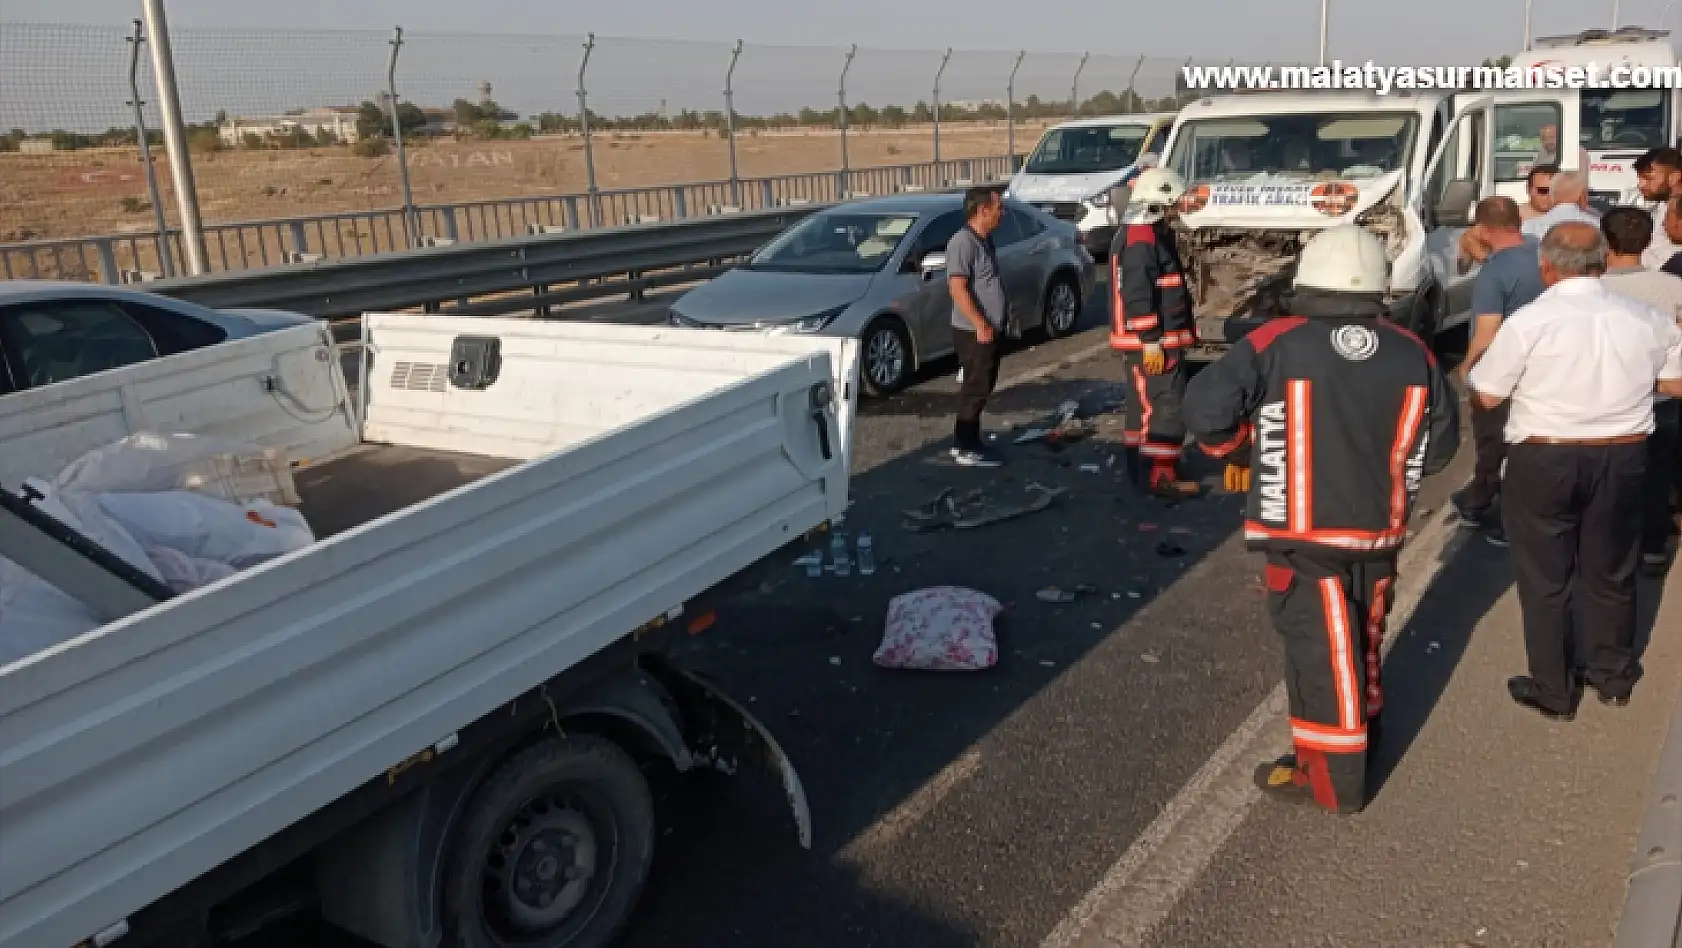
(1059, 595)
(974, 509)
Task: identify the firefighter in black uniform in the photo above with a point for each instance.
(1152, 326)
(1339, 414)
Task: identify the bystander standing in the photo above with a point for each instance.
(1579, 366)
(1627, 231)
(1571, 203)
(1538, 191)
(979, 310)
(1511, 277)
(1658, 176)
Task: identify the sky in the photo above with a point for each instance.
(256, 56)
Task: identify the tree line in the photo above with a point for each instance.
(490, 121)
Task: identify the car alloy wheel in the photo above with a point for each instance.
(1062, 309)
(887, 357)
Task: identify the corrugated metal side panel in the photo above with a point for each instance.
(135, 759)
(218, 390)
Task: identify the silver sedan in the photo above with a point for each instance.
(875, 270)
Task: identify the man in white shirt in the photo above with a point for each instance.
(1579, 365)
(1659, 177)
(1571, 203)
(1626, 230)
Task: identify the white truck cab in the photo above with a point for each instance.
(1070, 172)
(1616, 125)
(1266, 171)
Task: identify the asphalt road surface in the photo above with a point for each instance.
(1093, 788)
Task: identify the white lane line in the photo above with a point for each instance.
(1053, 367)
(898, 821)
(1151, 877)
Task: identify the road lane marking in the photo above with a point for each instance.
(901, 819)
(1137, 894)
(1052, 368)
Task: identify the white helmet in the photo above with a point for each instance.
(1153, 192)
(1157, 186)
(1343, 259)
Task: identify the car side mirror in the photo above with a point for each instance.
(1454, 208)
(932, 263)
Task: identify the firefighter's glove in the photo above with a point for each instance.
(1237, 478)
(1156, 361)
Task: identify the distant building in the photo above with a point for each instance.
(37, 146)
(337, 120)
(970, 105)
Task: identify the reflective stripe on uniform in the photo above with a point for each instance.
(1339, 637)
(1329, 739)
(1407, 429)
(1299, 455)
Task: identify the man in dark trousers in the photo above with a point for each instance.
(1340, 414)
(979, 311)
(1152, 326)
(1510, 278)
(1579, 366)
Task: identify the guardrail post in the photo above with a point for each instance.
(107, 250)
(841, 189)
(300, 237)
(584, 129)
(451, 229)
(767, 193)
(569, 208)
(680, 203)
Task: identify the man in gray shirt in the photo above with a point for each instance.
(1510, 278)
(979, 311)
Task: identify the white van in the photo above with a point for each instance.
(1617, 125)
(1266, 171)
(1070, 172)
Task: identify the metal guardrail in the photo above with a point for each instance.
(1652, 915)
(295, 241)
(522, 274)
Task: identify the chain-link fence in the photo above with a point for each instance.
(298, 125)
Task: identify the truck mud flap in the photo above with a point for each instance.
(723, 735)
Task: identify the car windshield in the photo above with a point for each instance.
(835, 242)
(1316, 146)
(1087, 149)
(1624, 118)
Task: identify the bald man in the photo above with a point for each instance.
(1571, 203)
(1578, 368)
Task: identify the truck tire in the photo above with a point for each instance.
(553, 851)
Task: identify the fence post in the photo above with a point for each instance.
(1010, 112)
(938, 73)
(730, 123)
(411, 227)
(1074, 86)
(841, 97)
(584, 129)
(175, 135)
(1131, 95)
(166, 261)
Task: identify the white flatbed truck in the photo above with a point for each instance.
(441, 709)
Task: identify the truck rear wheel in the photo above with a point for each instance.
(554, 850)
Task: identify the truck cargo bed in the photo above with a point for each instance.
(476, 543)
(370, 481)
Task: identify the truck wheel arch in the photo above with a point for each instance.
(382, 879)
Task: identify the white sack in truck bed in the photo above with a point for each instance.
(182, 509)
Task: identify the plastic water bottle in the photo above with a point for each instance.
(838, 551)
(867, 555)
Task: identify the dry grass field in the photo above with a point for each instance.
(82, 193)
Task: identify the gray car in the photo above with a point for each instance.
(875, 270)
(53, 332)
